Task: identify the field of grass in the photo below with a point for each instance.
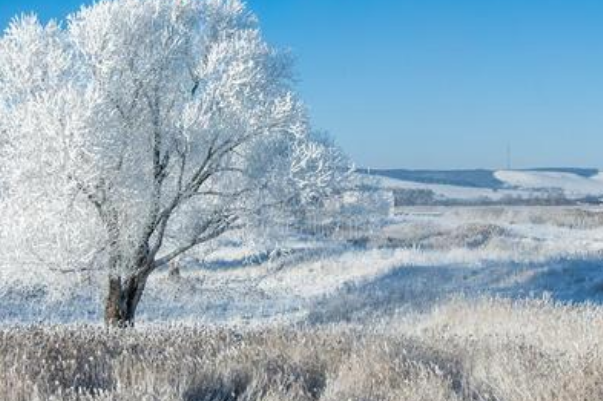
(486, 350)
(496, 304)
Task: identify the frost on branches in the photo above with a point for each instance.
(141, 129)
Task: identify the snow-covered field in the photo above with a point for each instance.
(490, 303)
(417, 259)
(572, 184)
(421, 258)
(510, 183)
(439, 303)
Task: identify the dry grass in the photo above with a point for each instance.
(587, 217)
(489, 350)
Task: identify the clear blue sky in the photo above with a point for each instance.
(440, 83)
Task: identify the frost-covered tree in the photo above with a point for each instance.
(141, 129)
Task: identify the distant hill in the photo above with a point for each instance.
(478, 178)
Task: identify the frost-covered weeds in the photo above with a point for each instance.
(489, 350)
(334, 322)
(569, 217)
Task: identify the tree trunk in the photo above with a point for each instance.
(122, 300)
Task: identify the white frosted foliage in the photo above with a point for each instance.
(140, 129)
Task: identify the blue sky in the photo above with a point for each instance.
(440, 83)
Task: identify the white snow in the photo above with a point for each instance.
(518, 184)
(418, 260)
(573, 185)
(446, 191)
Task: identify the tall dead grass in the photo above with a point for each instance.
(489, 350)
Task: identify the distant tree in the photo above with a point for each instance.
(142, 129)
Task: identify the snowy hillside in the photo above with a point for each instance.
(445, 190)
(573, 185)
(494, 185)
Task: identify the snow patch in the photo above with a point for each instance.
(572, 185)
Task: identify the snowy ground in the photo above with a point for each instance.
(573, 185)
(505, 183)
(422, 258)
